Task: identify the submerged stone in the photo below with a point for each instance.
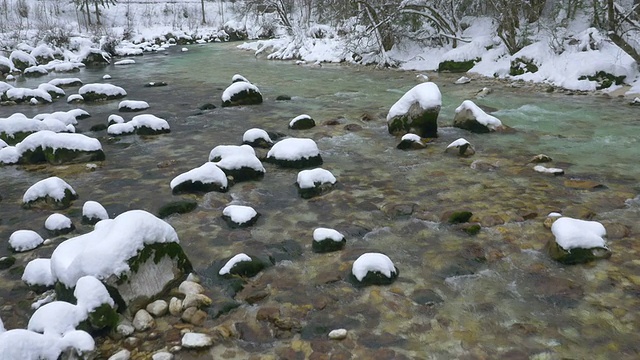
(177, 207)
(575, 256)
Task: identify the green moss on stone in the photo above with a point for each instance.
(472, 229)
(158, 251)
(177, 207)
(576, 256)
(520, 66)
(457, 66)
(604, 79)
(459, 217)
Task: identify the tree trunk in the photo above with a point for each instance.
(204, 20)
(611, 14)
(97, 13)
(86, 5)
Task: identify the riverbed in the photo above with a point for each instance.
(496, 294)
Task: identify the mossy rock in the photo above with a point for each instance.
(575, 256)
(303, 124)
(49, 202)
(61, 231)
(98, 127)
(457, 66)
(471, 229)
(197, 187)
(328, 245)
(303, 163)
(247, 268)
(207, 106)
(459, 217)
(7, 262)
(422, 122)
(520, 66)
(604, 79)
(244, 97)
(95, 96)
(374, 278)
(408, 144)
(90, 221)
(243, 174)
(177, 207)
(317, 190)
(147, 131)
(234, 225)
(60, 156)
(283, 98)
(15, 137)
(102, 317)
(95, 58)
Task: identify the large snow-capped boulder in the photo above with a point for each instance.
(26, 344)
(35, 71)
(94, 57)
(22, 60)
(16, 127)
(315, 182)
(373, 269)
(36, 96)
(43, 54)
(24, 240)
(136, 255)
(241, 93)
(52, 191)
(416, 111)
(132, 105)
(6, 66)
(205, 178)
(59, 148)
(148, 124)
(101, 92)
(578, 241)
(37, 273)
(470, 117)
(241, 166)
(295, 153)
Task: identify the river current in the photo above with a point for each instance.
(493, 295)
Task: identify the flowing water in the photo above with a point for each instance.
(493, 295)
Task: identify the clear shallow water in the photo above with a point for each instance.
(490, 296)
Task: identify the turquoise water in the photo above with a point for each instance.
(494, 295)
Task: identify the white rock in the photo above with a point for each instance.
(175, 306)
(162, 355)
(106, 77)
(546, 170)
(195, 300)
(125, 330)
(143, 321)
(123, 354)
(196, 340)
(463, 80)
(338, 334)
(158, 308)
(190, 287)
(193, 277)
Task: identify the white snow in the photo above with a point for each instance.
(4, 87)
(38, 69)
(105, 250)
(18, 122)
(53, 187)
(320, 234)
(241, 160)
(546, 170)
(57, 222)
(38, 272)
(308, 178)
(19, 55)
(239, 214)
(574, 233)
(115, 119)
(458, 143)
(9, 155)
(298, 118)
(93, 209)
(104, 89)
(469, 107)
(294, 149)
(25, 344)
(90, 294)
(427, 95)
(232, 262)
(151, 121)
(121, 128)
(66, 117)
(25, 240)
(52, 89)
(106, 77)
(133, 105)
(3, 144)
(238, 77)
(463, 80)
(56, 318)
(236, 88)
(49, 139)
(372, 262)
(411, 137)
(222, 151)
(64, 81)
(74, 97)
(207, 173)
(254, 134)
(125, 62)
(21, 94)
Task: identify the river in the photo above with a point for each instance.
(493, 295)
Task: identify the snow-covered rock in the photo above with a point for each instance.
(92, 212)
(53, 191)
(25, 344)
(115, 119)
(25, 240)
(34, 71)
(241, 165)
(121, 129)
(462, 147)
(257, 138)
(374, 269)
(147, 124)
(65, 82)
(241, 264)
(22, 60)
(124, 62)
(416, 111)
(24, 95)
(239, 78)
(16, 127)
(43, 54)
(205, 178)
(53, 90)
(38, 273)
(411, 142)
(100, 92)
(221, 151)
(295, 153)
(136, 253)
(58, 224)
(302, 122)
(132, 105)
(470, 117)
(548, 170)
(59, 148)
(338, 334)
(315, 182)
(240, 216)
(578, 241)
(327, 240)
(241, 93)
(9, 155)
(75, 98)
